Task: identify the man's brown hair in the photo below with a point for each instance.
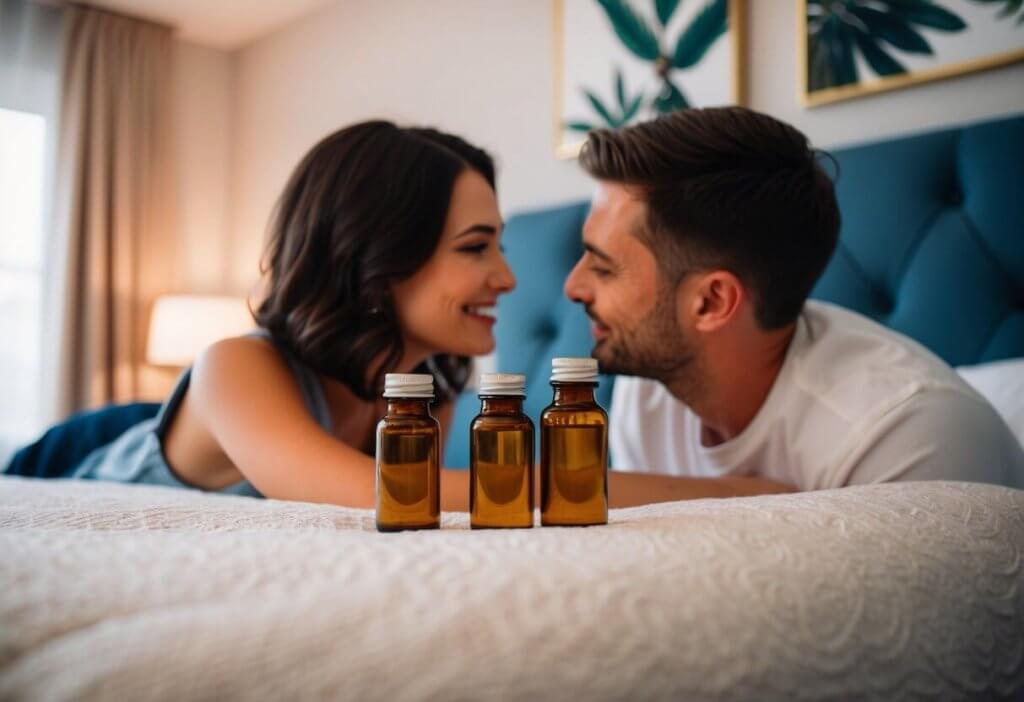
(727, 188)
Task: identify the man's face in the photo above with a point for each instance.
(631, 307)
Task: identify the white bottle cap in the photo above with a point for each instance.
(574, 370)
(408, 385)
(503, 384)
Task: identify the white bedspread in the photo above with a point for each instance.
(135, 593)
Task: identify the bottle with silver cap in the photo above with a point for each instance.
(573, 448)
(408, 456)
(501, 456)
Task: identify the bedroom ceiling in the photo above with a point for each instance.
(224, 24)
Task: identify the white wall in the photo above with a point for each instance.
(481, 69)
(202, 124)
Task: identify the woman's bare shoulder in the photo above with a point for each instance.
(245, 367)
(245, 350)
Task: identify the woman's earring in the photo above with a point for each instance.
(378, 308)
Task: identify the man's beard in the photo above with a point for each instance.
(654, 347)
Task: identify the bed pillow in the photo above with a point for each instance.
(1002, 384)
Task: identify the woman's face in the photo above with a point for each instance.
(448, 305)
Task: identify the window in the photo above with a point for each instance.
(30, 60)
(22, 172)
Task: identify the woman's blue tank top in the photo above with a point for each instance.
(137, 456)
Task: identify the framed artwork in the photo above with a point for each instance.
(851, 48)
(618, 62)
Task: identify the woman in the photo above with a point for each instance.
(383, 257)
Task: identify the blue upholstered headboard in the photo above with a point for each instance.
(932, 245)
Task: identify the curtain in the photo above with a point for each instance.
(115, 204)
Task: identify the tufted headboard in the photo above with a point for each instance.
(932, 242)
(932, 245)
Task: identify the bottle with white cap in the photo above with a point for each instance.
(408, 456)
(501, 456)
(573, 448)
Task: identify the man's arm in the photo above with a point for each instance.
(639, 405)
(455, 489)
(632, 489)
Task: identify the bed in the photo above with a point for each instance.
(900, 591)
(877, 592)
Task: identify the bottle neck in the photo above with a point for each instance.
(501, 404)
(573, 393)
(408, 406)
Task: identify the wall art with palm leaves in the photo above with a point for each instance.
(618, 62)
(858, 47)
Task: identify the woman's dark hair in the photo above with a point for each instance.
(728, 188)
(363, 210)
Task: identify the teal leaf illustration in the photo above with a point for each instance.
(831, 57)
(709, 24)
(880, 61)
(819, 62)
(631, 29)
(842, 59)
(643, 40)
(837, 30)
(925, 14)
(600, 109)
(628, 107)
(633, 108)
(579, 126)
(670, 98)
(891, 29)
(665, 9)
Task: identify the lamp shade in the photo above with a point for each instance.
(183, 325)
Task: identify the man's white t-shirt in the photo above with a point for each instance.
(854, 402)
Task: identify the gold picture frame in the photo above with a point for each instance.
(879, 83)
(736, 35)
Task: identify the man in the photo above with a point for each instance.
(707, 232)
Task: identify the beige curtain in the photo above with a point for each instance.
(114, 203)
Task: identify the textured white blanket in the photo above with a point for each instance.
(889, 592)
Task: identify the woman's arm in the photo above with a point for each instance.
(247, 399)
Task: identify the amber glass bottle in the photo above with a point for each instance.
(501, 456)
(573, 448)
(408, 456)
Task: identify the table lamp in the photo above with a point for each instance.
(183, 325)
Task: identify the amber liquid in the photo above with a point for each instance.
(501, 467)
(408, 470)
(574, 461)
